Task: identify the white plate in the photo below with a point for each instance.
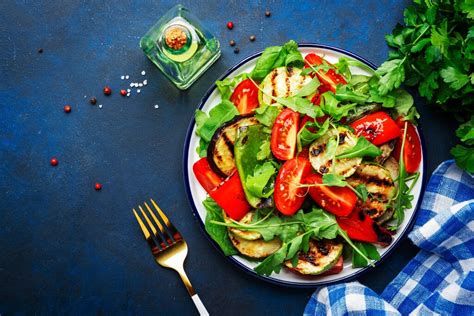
(196, 193)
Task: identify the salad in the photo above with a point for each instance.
(305, 163)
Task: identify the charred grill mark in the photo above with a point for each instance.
(342, 138)
(290, 71)
(323, 248)
(372, 212)
(373, 179)
(245, 139)
(323, 169)
(288, 83)
(272, 80)
(317, 150)
(382, 235)
(229, 143)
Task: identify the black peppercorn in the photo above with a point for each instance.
(93, 101)
(236, 50)
(268, 13)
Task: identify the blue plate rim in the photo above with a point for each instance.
(239, 264)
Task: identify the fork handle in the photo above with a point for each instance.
(199, 305)
(197, 301)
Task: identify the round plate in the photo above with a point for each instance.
(196, 193)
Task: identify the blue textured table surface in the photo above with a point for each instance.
(68, 249)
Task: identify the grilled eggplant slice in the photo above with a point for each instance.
(255, 248)
(380, 186)
(220, 153)
(322, 163)
(386, 149)
(247, 235)
(322, 255)
(391, 164)
(282, 82)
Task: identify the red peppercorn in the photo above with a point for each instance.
(230, 25)
(98, 186)
(107, 90)
(123, 92)
(67, 108)
(54, 162)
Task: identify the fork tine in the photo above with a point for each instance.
(154, 217)
(150, 224)
(172, 231)
(142, 225)
(162, 215)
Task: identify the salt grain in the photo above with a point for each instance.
(145, 82)
(100, 106)
(138, 90)
(132, 84)
(143, 72)
(140, 85)
(123, 77)
(156, 106)
(126, 77)
(128, 90)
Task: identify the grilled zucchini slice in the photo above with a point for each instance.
(282, 82)
(247, 235)
(322, 163)
(255, 248)
(380, 186)
(386, 149)
(322, 255)
(220, 153)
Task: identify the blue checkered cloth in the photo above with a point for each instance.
(440, 279)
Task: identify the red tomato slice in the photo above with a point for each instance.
(205, 176)
(288, 195)
(377, 127)
(284, 133)
(330, 78)
(412, 148)
(305, 119)
(230, 196)
(337, 200)
(245, 97)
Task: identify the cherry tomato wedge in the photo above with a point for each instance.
(245, 97)
(284, 133)
(361, 227)
(205, 176)
(231, 197)
(412, 148)
(289, 196)
(377, 127)
(336, 200)
(330, 78)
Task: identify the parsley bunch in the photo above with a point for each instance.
(434, 51)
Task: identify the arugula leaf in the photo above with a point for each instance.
(258, 183)
(277, 56)
(464, 157)
(305, 136)
(206, 125)
(272, 57)
(202, 148)
(226, 86)
(345, 94)
(363, 148)
(301, 105)
(369, 250)
(265, 150)
(334, 180)
(293, 57)
(218, 233)
(361, 191)
(267, 114)
(330, 105)
(309, 88)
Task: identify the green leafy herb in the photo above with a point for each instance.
(309, 88)
(206, 125)
(330, 105)
(202, 148)
(277, 56)
(301, 105)
(265, 151)
(258, 183)
(306, 137)
(464, 157)
(218, 233)
(335, 180)
(361, 191)
(369, 250)
(226, 86)
(267, 114)
(434, 51)
(363, 148)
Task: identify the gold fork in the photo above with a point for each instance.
(167, 246)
